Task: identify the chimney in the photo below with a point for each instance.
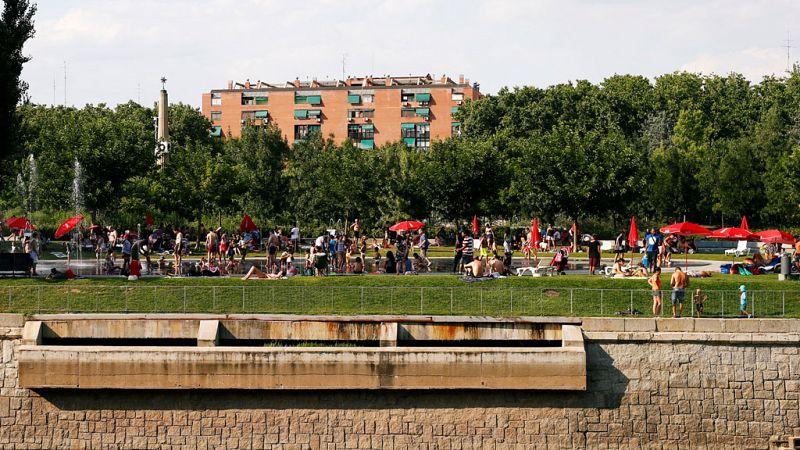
(163, 128)
(296, 82)
(247, 83)
(461, 78)
(230, 84)
(444, 79)
(368, 81)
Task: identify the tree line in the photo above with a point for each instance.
(682, 145)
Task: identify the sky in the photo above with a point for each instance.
(117, 50)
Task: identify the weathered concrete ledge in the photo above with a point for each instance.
(229, 352)
(755, 331)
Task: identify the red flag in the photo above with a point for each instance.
(247, 224)
(475, 225)
(744, 224)
(149, 220)
(633, 234)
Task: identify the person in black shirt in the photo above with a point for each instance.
(458, 252)
(594, 254)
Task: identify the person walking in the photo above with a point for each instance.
(651, 240)
(678, 282)
(458, 252)
(743, 302)
(655, 285)
(32, 249)
(467, 249)
(424, 243)
(619, 246)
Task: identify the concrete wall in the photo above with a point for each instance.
(644, 391)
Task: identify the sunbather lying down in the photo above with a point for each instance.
(255, 272)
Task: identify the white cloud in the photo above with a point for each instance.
(81, 25)
(753, 62)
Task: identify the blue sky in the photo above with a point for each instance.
(116, 50)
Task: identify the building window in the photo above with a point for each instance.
(216, 116)
(216, 131)
(248, 116)
(262, 100)
(361, 132)
(458, 96)
(248, 100)
(455, 129)
(423, 98)
(406, 98)
(368, 98)
(356, 113)
(303, 131)
(408, 112)
(422, 135)
(307, 99)
(216, 99)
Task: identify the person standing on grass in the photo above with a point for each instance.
(655, 285)
(467, 249)
(651, 241)
(619, 246)
(594, 254)
(699, 300)
(743, 302)
(178, 249)
(424, 243)
(458, 252)
(678, 283)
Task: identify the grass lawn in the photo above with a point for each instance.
(572, 295)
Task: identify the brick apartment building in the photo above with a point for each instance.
(371, 111)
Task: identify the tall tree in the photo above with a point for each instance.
(16, 27)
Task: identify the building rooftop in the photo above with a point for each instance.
(363, 81)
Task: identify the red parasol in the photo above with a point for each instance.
(535, 234)
(68, 225)
(686, 229)
(775, 237)
(733, 234)
(407, 225)
(744, 225)
(475, 228)
(19, 222)
(633, 237)
(247, 224)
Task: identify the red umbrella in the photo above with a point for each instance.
(535, 235)
(775, 237)
(475, 228)
(68, 225)
(686, 229)
(19, 222)
(247, 224)
(733, 234)
(744, 225)
(407, 225)
(633, 237)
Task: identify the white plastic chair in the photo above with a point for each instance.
(740, 250)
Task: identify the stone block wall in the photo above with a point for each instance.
(642, 393)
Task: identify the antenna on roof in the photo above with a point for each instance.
(344, 62)
(788, 47)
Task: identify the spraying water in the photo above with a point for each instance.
(27, 186)
(77, 203)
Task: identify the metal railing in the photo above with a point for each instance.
(345, 300)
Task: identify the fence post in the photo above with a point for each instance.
(96, 302)
(571, 311)
(601, 301)
(451, 300)
(126, 299)
(512, 300)
(783, 303)
(391, 300)
(631, 309)
(723, 304)
(9, 301)
(213, 298)
(362, 299)
(420, 299)
(242, 298)
(481, 289)
(753, 313)
(184, 299)
(38, 299)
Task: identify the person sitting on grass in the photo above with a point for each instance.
(619, 270)
(474, 268)
(261, 275)
(110, 268)
(358, 266)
